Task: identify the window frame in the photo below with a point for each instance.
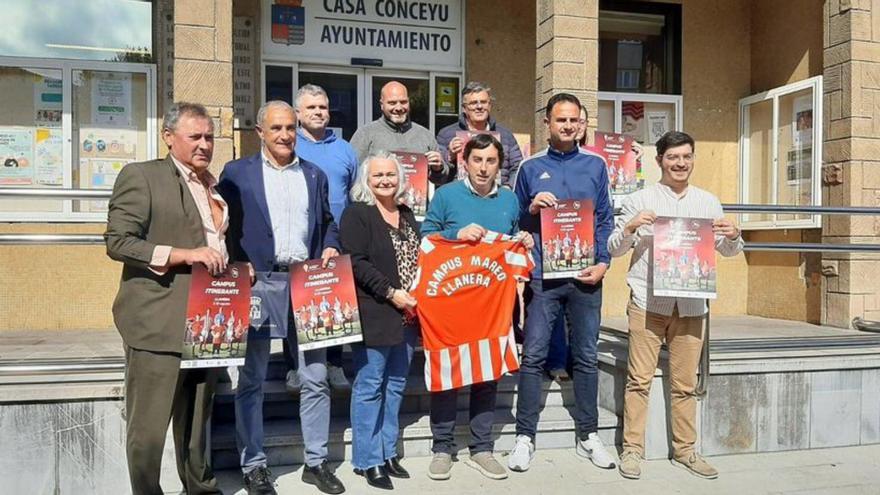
(67, 66)
(773, 95)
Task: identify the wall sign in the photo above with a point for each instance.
(243, 58)
(399, 32)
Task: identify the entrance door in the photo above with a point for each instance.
(354, 93)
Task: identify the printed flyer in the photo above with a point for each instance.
(47, 101)
(111, 99)
(567, 238)
(16, 156)
(466, 136)
(624, 169)
(415, 166)
(217, 317)
(48, 157)
(103, 153)
(325, 308)
(684, 258)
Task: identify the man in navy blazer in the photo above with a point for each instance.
(279, 213)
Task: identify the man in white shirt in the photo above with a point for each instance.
(653, 320)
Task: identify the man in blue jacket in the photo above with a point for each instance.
(476, 105)
(317, 144)
(563, 171)
(279, 214)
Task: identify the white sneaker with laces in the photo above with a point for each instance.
(336, 377)
(522, 454)
(293, 384)
(593, 449)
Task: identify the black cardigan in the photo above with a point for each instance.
(363, 234)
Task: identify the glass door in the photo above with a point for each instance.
(419, 88)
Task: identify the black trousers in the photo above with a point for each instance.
(482, 416)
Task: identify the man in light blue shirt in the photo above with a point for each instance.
(336, 157)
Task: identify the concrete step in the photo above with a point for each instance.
(284, 445)
(279, 403)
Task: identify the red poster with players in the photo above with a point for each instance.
(217, 317)
(415, 196)
(324, 300)
(684, 258)
(624, 169)
(466, 136)
(567, 238)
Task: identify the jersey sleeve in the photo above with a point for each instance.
(519, 260)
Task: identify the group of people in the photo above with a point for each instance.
(308, 194)
(205, 330)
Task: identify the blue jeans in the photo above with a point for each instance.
(376, 395)
(557, 356)
(314, 405)
(582, 305)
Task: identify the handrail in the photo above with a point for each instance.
(31, 193)
(803, 210)
(74, 239)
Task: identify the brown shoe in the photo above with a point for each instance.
(630, 466)
(697, 466)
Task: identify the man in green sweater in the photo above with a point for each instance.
(467, 210)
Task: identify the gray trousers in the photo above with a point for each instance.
(314, 405)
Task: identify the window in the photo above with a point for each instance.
(71, 125)
(639, 47)
(781, 153)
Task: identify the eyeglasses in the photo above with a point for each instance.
(477, 103)
(688, 158)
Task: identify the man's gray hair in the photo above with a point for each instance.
(264, 109)
(311, 90)
(181, 108)
(361, 192)
(476, 87)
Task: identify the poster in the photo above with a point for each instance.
(633, 120)
(802, 122)
(103, 153)
(415, 196)
(217, 317)
(658, 125)
(446, 95)
(466, 136)
(16, 156)
(111, 99)
(47, 101)
(684, 258)
(567, 238)
(48, 157)
(325, 309)
(624, 168)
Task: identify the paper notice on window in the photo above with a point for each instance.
(47, 101)
(48, 157)
(16, 156)
(111, 99)
(658, 125)
(103, 153)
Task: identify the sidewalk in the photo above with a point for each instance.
(846, 471)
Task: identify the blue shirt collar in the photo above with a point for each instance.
(562, 155)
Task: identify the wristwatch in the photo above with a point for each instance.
(390, 293)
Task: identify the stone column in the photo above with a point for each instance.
(851, 158)
(203, 65)
(567, 57)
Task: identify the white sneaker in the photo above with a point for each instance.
(293, 384)
(593, 449)
(522, 454)
(337, 379)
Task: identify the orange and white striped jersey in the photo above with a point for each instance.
(466, 292)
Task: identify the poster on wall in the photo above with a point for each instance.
(447, 91)
(16, 156)
(658, 125)
(48, 157)
(47, 101)
(111, 99)
(802, 122)
(103, 153)
(633, 120)
(684, 258)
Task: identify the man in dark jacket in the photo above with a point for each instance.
(476, 105)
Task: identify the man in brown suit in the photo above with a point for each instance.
(164, 216)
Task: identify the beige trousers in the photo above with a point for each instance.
(683, 337)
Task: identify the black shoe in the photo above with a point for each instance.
(259, 482)
(395, 469)
(322, 477)
(376, 476)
